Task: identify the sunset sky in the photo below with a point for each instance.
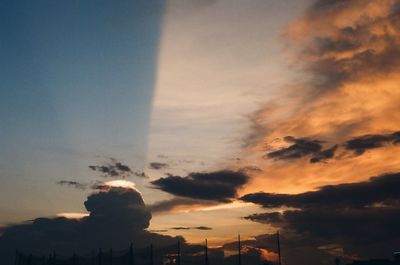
(153, 121)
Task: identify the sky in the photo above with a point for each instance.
(165, 121)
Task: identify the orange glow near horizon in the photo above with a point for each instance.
(72, 215)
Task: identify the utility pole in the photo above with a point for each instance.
(206, 253)
(239, 251)
(279, 248)
(74, 258)
(111, 256)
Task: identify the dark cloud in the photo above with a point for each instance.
(218, 186)
(265, 218)
(295, 249)
(180, 228)
(189, 228)
(362, 232)
(324, 155)
(117, 217)
(359, 41)
(299, 148)
(344, 215)
(202, 228)
(178, 202)
(141, 174)
(158, 165)
(382, 189)
(360, 144)
(158, 230)
(303, 147)
(113, 169)
(71, 183)
(250, 169)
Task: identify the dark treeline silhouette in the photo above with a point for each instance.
(130, 256)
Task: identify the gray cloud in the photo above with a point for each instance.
(158, 165)
(71, 183)
(113, 168)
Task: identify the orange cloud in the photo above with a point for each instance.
(349, 56)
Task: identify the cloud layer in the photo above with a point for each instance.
(360, 218)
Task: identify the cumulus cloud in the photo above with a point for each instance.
(217, 186)
(116, 217)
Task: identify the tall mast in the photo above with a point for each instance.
(239, 251)
(178, 261)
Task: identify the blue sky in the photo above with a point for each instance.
(76, 87)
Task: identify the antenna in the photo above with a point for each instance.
(206, 253)
(279, 248)
(16, 261)
(151, 255)
(239, 251)
(74, 258)
(93, 258)
(99, 256)
(131, 257)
